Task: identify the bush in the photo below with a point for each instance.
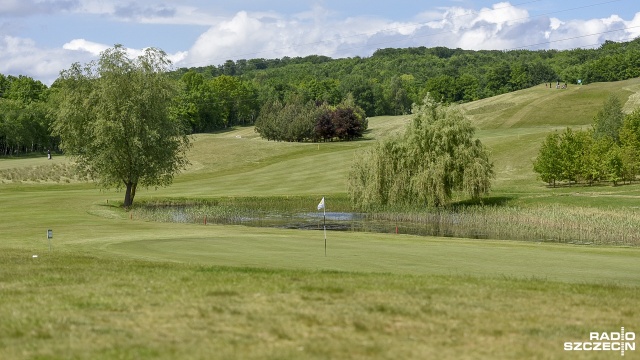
(297, 121)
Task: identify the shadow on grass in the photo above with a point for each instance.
(222, 131)
(29, 155)
(586, 185)
(487, 201)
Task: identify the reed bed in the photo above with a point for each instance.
(194, 213)
(232, 210)
(551, 223)
(55, 173)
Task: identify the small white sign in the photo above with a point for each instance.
(49, 234)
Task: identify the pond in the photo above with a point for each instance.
(336, 221)
(332, 221)
(565, 225)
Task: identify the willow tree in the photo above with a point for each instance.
(114, 119)
(436, 156)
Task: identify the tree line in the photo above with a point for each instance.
(391, 80)
(387, 83)
(25, 115)
(607, 152)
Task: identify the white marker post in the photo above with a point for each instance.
(324, 222)
(49, 237)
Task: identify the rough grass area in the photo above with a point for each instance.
(49, 173)
(73, 305)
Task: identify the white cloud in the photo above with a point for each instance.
(87, 46)
(502, 26)
(316, 31)
(94, 49)
(510, 28)
(178, 57)
(590, 33)
(271, 35)
(21, 56)
(501, 15)
(634, 26)
(555, 23)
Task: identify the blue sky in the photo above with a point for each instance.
(40, 38)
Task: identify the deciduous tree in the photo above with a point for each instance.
(114, 120)
(630, 142)
(608, 121)
(548, 163)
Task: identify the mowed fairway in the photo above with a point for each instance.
(397, 254)
(118, 287)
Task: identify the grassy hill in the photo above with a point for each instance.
(239, 163)
(115, 286)
(514, 125)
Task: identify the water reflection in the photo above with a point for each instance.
(343, 221)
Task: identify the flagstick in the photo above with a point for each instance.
(324, 222)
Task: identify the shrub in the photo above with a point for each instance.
(297, 121)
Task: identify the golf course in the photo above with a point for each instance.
(120, 283)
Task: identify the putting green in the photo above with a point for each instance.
(385, 253)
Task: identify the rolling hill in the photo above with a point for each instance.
(116, 286)
(239, 163)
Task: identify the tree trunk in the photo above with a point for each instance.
(130, 193)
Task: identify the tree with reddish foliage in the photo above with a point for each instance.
(303, 122)
(349, 120)
(348, 125)
(325, 128)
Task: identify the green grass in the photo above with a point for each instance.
(77, 305)
(543, 107)
(378, 253)
(117, 287)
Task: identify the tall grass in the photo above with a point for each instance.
(541, 223)
(57, 173)
(231, 210)
(552, 223)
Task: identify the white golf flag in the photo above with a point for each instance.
(321, 205)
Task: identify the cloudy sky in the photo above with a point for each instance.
(39, 38)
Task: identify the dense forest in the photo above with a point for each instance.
(25, 115)
(386, 83)
(391, 80)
